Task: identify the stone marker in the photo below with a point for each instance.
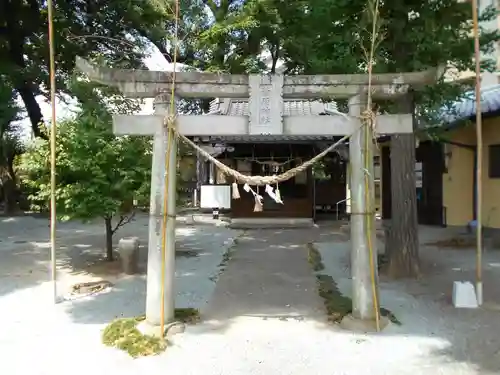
(128, 248)
(464, 295)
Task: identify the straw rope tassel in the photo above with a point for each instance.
(235, 190)
(278, 194)
(258, 204)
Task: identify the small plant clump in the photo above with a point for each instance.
(454, 243)
(314, 258)
(337, 305)
(123, 334)
(226, 257)
(187, 315)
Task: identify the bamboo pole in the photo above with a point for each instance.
(479, 159)
(369, 170)
(168, 168)
(52, 152)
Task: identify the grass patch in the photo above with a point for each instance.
(226, 257)
(122, 333)
(186, 253)
(454, 243)
(314, 258)
(187, 315)
(337, 305)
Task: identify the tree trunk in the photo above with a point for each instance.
(32, 107)
(15, 33)
(9, 196)
(109, 239)
(402, 245)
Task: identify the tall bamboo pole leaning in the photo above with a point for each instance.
(479, 160)
(52, 152)
(368, 160)
(168, 169)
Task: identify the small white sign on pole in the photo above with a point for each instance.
(215, 196)
(418, 175)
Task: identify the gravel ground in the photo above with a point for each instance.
(58, 337)
(434, 338)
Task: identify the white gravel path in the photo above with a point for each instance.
(66, 337)
(38, 338)
(433, 339)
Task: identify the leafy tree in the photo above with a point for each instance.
(98, 173)
(112, 29)
(326, 37)
(419, 35)
(329, 36)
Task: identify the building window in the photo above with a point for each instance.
(494, 161)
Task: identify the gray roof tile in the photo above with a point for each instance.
(239, 107)
(466, 107)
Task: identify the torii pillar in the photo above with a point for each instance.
(156, 212)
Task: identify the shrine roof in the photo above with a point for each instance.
(465, 108)
(291, 107)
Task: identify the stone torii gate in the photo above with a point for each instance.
(265, 94)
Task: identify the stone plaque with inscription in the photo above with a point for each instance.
(265, 105)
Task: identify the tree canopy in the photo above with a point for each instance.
(110, 29)
(98, 174)
(233, 36)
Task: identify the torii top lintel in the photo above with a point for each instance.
(146, 83)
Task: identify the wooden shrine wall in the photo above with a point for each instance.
(297, 193)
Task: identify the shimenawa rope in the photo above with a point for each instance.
(367, 119)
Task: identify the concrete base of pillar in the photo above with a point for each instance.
(250, 223)
(154, 330)
(350, 323)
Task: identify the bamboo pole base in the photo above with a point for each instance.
(350, 323)
(154, 330)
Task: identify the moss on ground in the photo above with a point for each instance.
(226, 257)
(337, 305)
(314, 258)
(122, 333)
(187, 315)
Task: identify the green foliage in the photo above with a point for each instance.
(328, 36)
(98, 174)
(110, 29)
(123, 334)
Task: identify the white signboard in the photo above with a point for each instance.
(215, 196)
(418, 175)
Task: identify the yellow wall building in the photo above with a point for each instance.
(448, 185)
(459, 181)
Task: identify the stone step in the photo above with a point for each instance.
(274, 223)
